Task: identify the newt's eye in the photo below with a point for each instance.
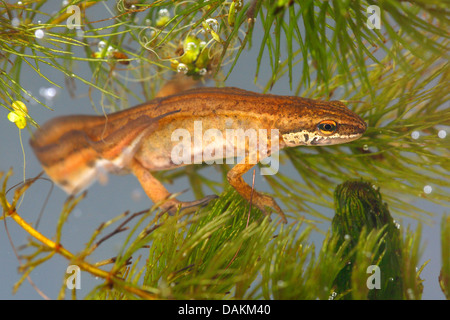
(327, 127)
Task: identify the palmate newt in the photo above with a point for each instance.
(75, 150)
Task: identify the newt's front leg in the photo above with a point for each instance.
(156, 191)
(261, 201)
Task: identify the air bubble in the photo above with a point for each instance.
(213, 24)
(182, 68)
(365, 147)
(39, 33)
(51, 93)
(415, 134)
(191, 46)
(15, 22)
(427, 189)
(163, 17)
(101, 45)
(202, 71)
(281, 283)
(48, 93)
(163, 13)
(442, 134)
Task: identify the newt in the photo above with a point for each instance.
(75, 150)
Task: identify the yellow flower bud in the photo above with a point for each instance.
(19, 115)
(21, 107)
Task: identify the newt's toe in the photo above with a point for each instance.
(173, 205)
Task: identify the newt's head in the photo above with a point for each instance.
(323, 123)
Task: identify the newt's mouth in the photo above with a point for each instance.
(334, 139)
(307, 138)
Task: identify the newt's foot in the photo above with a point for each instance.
(173, 205)
(262, 202)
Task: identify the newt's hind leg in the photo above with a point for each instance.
(262, 201)
(156, 191)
